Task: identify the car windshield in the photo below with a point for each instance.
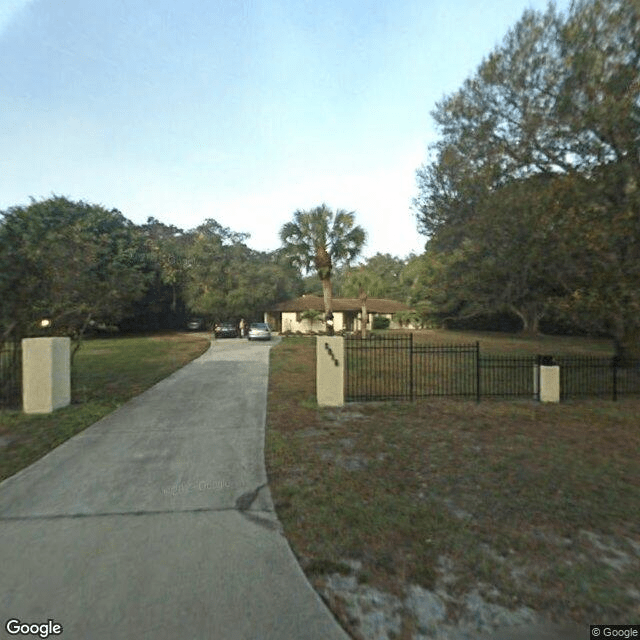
(259, 325)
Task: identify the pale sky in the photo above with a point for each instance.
(237, 110)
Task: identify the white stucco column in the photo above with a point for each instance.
(330, 371)
(550, 383)
(46, 374)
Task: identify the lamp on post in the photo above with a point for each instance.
(45, 326)
(329, 319)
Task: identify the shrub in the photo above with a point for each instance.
(380, 322)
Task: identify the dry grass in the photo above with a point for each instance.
(533, 504)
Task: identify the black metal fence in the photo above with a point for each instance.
(11, 375)
(394, 368)
(586, 376)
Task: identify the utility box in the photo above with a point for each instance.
(46, 374)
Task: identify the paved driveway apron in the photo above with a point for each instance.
(156, 522)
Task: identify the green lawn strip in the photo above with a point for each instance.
(538, 502)
(106, 373)
(496, 343)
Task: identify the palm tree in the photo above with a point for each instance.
(311, 315)
(318, 238)
(362, 282)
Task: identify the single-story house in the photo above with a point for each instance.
(287, 316)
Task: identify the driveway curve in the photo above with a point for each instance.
(157, 521)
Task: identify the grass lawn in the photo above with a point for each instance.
(535, 505)
(495, 343)
(106, 373)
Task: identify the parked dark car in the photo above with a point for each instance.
(226, 330)
(259, 331)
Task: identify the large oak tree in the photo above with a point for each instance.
(554, 111)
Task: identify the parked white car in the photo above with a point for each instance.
(259, 331)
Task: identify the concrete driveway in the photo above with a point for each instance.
(157, 522)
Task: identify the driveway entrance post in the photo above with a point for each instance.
(330, 371)
(46, 374)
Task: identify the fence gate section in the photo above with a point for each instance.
(394, 367)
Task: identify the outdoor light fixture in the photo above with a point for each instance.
(45, 323)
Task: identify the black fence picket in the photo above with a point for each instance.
(393, 367)
(11, 375)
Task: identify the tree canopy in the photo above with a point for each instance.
(69, 263)
(530, 199)
(227, 280)
(77, 264)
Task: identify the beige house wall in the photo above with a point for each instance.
(290, 322)
(46, 374)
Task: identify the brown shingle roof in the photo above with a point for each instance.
(374, 305)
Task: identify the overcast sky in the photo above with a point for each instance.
(237, 110)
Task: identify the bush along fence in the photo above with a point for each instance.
(394, 368)
(11, 375)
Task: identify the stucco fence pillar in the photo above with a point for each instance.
(46, 374)
(546, 380)
(330, 371)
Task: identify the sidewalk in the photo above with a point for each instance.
(156, 521)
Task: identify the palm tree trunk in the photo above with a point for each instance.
(328, 304)
(363, 313)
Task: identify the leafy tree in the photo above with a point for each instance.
(512, 259)
(311, 285)
(166, 246)
(69, 262)
(162, 306)
(319, 239)
(385, 275)
(603, 288)
(553, 111)
(210, 259)
(259, 281)
(417, 291)
(600, 106)
(226, 280)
